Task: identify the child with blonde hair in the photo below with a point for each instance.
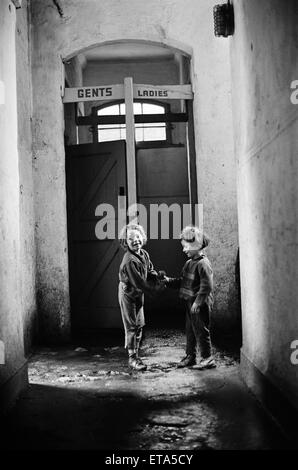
(196, 287)
(136, 276)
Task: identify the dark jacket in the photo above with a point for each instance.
(137, 273)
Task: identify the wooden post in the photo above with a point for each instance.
(191, 157)
(181, 79)
(130, 142)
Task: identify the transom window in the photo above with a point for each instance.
(143, 132)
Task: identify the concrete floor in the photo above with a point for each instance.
(83, 396)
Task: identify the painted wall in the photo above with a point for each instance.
(61, 33)
(11, 308)
(27, 241)
(49, 174)
(158, 72)
(264, 63)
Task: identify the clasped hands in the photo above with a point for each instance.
(161, 281)
(161, 284)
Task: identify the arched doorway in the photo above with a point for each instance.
(97, 173)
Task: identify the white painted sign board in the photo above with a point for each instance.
(116, 92)
(163, 92)
(93, 93)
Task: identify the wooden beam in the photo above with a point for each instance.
(94, 120)
(130, 142)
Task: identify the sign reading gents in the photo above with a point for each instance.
(116, 92)
(95, 92)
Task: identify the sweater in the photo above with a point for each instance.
(136, 271)
(196, 281)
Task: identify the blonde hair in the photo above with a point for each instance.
(124, 230)
(192, 234)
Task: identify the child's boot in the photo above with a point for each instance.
(136, 363)
(188, 361)
(139, 359)
(206, 363)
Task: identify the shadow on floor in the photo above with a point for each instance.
(84, 397)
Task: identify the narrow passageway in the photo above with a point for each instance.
(167, 113)
(83, 396)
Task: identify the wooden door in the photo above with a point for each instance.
(95, 174)
(163, 179)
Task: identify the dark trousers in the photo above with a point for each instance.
(197, 331)
(132, 313)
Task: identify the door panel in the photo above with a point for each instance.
(163, 178)
(95, 173)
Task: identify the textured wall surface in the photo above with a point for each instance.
(27, 241)
(62, 33)
(11, 324)
(264, 63)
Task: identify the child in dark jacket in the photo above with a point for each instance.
(196, 288)
(136, 276)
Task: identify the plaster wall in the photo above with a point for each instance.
(11, 321)
(59, 34)
(264, 63)
(27, 240)
(158, 72)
